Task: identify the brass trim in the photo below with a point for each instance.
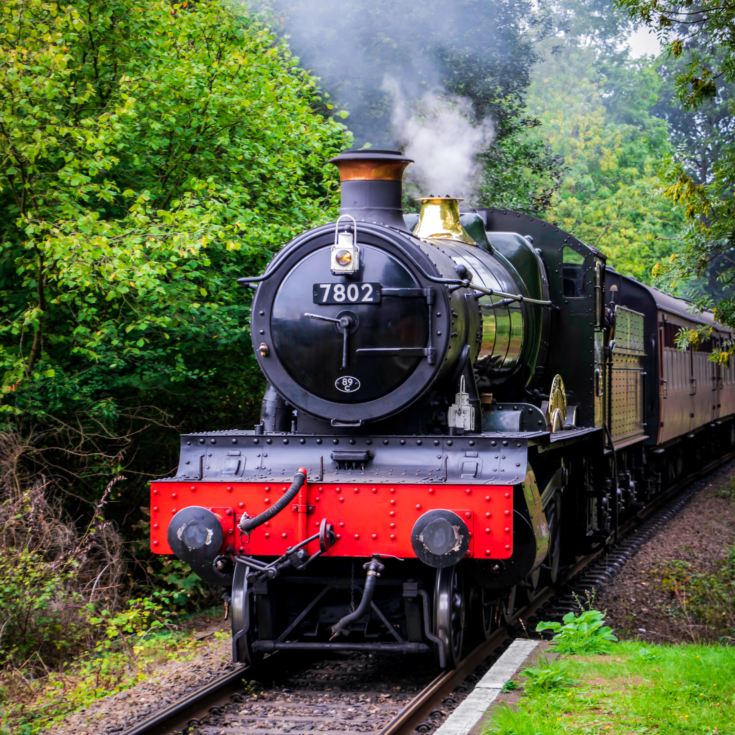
(556, 411)
(439, 220)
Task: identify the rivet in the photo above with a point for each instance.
(341, 499)
(385, 441)
(155, 491)
(241, 549)
(302, 441)
(339, 535)
(284, 535)
(316, 500)
(507, 529)
(201, 441)
(267, 488)
(507, 495)
(467, 514)
(341, 524)
(488, 515)
(431, 491)
(155, 543)
(256, 440)
(450, 442)
(285, 441)
(507, 513)
(267, 523)
(267, 534)
(355, 489)
(155, 525)
(392, 501)
(234, 441)
(173, 511)
(212, 441)
(436, 442)
(352, 442)
(487, 552)
(229, 488)
(392, 513)
(419, 442)
(241, 504)
(335, 441)
(392, 490)
(487, 530)
(418, 506)
(174, 495)
(319, 441)
(228, 512)
(155, 509)
(392, 525)
(373, 489)
(507, 547)
(472, 442)
(487, 498)
(338, 489)
(317, 523)
(393, 536)
(374, 536)
(468, 490)
(267, 501)
(357, 536)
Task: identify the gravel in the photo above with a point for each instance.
(637, 604)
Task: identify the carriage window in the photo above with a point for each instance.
(572, 272)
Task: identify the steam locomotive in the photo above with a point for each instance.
(458, 404)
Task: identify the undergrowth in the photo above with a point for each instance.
(705, 600)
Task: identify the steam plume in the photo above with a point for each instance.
(439, 133)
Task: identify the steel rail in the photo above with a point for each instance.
(216, 692)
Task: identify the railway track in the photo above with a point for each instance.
(351, 694)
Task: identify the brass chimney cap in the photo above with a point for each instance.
(439, 220)
(371, 165)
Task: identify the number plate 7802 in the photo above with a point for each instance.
(347, 293)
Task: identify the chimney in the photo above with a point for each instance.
(372, 185)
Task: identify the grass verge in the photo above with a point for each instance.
(639, 689)
(33, 705)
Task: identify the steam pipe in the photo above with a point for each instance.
(374, 568)
(248, 524)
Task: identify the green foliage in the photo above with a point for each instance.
(701, 111)
(580, 634)
(152, 153)
(595, 109)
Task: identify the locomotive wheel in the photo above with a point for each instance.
(449, 613)
(241, 618)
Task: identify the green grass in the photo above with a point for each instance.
(637, 689)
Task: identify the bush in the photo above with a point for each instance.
(580, 634)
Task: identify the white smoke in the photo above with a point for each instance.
(439, 133)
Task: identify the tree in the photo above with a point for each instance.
(702, 48)
(595, 106)
(152, 152)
